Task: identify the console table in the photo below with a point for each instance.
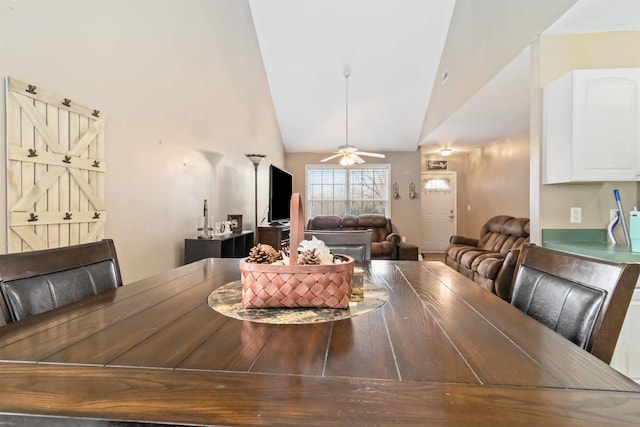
(235, 245)
(274, 235)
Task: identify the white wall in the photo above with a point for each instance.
(185, 96)
(492, 180)
(498, 181)
(484, 36)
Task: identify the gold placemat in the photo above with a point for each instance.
(227, 300)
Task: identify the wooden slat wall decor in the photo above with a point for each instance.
(55, 172)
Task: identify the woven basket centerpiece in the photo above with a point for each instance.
(294, 285)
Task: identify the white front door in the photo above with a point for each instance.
(438, 210)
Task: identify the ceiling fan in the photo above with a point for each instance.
(349, 154)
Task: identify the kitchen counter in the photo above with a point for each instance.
(588, 242)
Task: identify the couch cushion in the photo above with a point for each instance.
(494, 225)
(372, 220)
(487, 265)
(518, 227)
(349, 221)
(468, 257)
(516, 231)
(455, 251)
(325, 222)
(492, 241)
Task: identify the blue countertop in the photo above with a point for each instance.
(601, 250)
(588, 242)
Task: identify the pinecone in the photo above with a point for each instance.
(309, 257)
(262, 254)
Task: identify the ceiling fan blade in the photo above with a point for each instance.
(364, 153)
(359, 160)
(331, 157)
(347, 149)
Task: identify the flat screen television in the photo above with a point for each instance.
(280, 190)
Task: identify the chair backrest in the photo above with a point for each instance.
(39, 281)
(356, 243)
(583, 299)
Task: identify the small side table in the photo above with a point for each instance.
(407, 252)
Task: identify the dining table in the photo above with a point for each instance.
(439, 350)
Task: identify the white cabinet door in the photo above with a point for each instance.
(626, 357)
(592, 126)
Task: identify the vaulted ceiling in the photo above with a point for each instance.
(393, 50)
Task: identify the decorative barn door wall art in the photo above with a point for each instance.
(55, 172)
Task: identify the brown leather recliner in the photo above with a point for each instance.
(384, 242)
(490, 260)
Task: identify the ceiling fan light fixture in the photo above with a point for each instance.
(446, 152)
(347, 161)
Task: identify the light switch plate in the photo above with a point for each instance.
(576, 215)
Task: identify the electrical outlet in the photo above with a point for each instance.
(576, 215)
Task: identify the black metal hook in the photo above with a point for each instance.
(96, 164)
(96, 113)
(67, 159)
(96, 215)
(32, 152)
(32, 217)
(67, 216)
(66, 102)
(31, 89)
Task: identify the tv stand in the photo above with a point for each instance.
(274, 235)
(236, 245)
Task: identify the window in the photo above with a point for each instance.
(436, 185)
(334, 190)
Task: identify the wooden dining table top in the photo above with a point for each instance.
(440, 351)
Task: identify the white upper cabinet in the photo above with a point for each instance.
(591, 126)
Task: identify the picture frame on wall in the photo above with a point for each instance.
(236, 223)
(437, 165)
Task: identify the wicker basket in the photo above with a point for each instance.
(268, 285)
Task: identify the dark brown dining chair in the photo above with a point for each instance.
(38, 281)
(583, 299)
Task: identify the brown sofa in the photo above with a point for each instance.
(384, 242)
(490, 260)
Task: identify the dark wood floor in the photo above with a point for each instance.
(433, 256)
